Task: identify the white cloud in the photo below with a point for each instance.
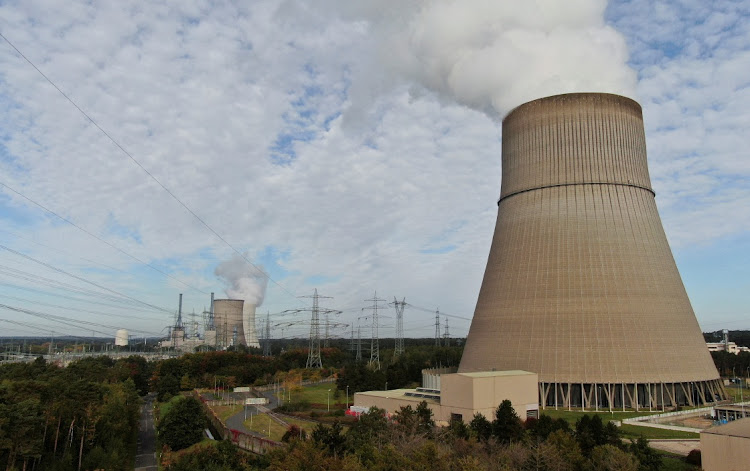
(341, 134)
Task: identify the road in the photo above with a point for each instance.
(145, 459)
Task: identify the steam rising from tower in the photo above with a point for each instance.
(248, 283)
(580, 285)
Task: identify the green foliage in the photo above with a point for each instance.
(591, 432)
(481, 427)
(166, 387)
(294, 432)
(611, 458)
(222, 457)
(183, 424)
(648, 458)
(507, 425)
(332, 438)
(694, 457)
(87, 411)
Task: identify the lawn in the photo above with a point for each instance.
(225, 412)
(318, 394)
(165, 406)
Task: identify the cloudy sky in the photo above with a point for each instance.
(352, 147)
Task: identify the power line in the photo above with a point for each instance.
(158, 182)
(59, 270)
(68, 221)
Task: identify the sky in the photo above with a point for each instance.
(152, 149)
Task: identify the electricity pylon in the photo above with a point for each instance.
(399, 305)
(374, 341)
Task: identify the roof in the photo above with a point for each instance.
(488, 374)
(735, 428)
(398, 394)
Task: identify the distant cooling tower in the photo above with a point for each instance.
(248, 318)
(228, 322)
(121, 338)
(580, 285)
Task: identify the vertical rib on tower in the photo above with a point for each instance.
(580, 285)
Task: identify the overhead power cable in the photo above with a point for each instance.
(158, 182)
(59, 270)
(441, 312)
(91, 234)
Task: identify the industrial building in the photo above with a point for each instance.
(458, 396)
(726, 447)
(229, 322)
(580, 285)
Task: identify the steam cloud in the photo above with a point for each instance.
(494, 55)
(242, 280)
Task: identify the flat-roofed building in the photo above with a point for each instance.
(726, 447)
(461, 395)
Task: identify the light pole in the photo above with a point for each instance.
(347, 396)
(328, 400)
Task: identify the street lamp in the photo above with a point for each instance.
(328, 400)
(347, 395)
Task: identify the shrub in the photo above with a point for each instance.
(694, 457)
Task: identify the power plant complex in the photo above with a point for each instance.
(229, 322)
(580, 289)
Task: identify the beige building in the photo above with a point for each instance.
(461, 395)
(726, 447)
(730, 347)
(580, 285)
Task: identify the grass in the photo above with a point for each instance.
(260, 424)
(225, 412)
(318, 394)
(165, 406)
(634, 431)
(628, 431)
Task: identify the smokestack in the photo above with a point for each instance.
(211, 313)
(179, 313)
(580, 285)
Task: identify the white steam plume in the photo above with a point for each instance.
(242, 280)
(493, 55)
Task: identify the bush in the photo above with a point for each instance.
(694, 457)
(183, 424)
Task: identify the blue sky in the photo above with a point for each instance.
(347, 146)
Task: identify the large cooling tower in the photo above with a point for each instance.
(580, 285)
(248, 318)
(228, 322)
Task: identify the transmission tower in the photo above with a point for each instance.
(359, 343)
(399, 305)
(446, 335)
(313, 358)
(326, 342)
(375, 340)
(437, 328)
(267, 344)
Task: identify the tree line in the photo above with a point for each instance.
(84, 416)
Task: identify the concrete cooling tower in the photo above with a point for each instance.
(580, 285)
(228, 320)
(248, 319)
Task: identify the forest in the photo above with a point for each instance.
(84, 416)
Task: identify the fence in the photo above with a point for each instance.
(243, 440)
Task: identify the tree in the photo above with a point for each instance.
(481, 426)
(294, 432)
(611, 458)
(425, 424)
(166, 387)
(183, 424)
(507, 425)
(648, 458)
(331, 438)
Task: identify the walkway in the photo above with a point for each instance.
(145, 459)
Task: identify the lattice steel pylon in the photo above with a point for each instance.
(375, 340)
(326, 342)
(437, 328)
(359, 342)
(313, 358)
(446, 335)
(267, 343)
(399, 305)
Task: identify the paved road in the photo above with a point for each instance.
(145, 459)
(678, 447)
